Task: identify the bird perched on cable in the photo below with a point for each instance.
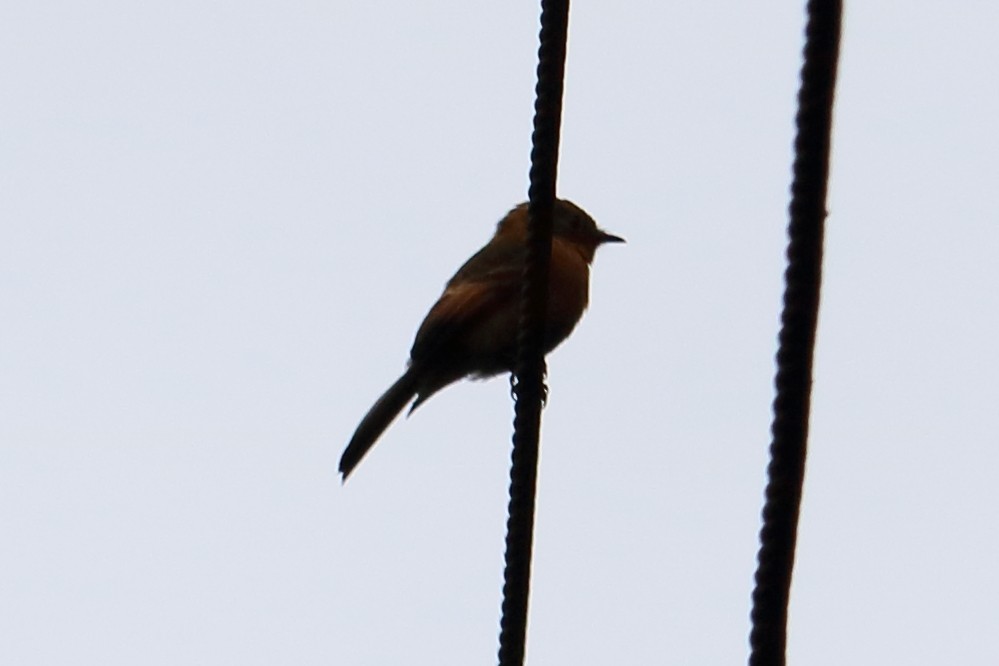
(471, 331)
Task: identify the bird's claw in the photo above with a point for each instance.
(544, 386)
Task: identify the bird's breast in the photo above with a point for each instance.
(568, 291)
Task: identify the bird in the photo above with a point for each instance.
(471, 331)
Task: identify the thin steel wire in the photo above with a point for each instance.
(529, 388)
(768, 638)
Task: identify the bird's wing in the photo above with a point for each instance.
(497, 258)
(485, 284)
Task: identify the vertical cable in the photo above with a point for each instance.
(797, 335)
(530, 368)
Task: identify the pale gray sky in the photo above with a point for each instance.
(223, 222)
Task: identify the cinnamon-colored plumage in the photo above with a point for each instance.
(471, 331)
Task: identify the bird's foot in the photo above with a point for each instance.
(544, 385)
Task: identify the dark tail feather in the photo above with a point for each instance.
(377, 420)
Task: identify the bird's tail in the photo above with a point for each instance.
(378, 419)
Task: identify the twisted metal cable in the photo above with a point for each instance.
(530, 389)
(768, 638)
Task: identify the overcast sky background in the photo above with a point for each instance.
(223, 222)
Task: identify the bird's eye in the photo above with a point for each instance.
(575, 224)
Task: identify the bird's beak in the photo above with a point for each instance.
(608, 238)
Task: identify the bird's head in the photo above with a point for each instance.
(574, 225)
(570, 224)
